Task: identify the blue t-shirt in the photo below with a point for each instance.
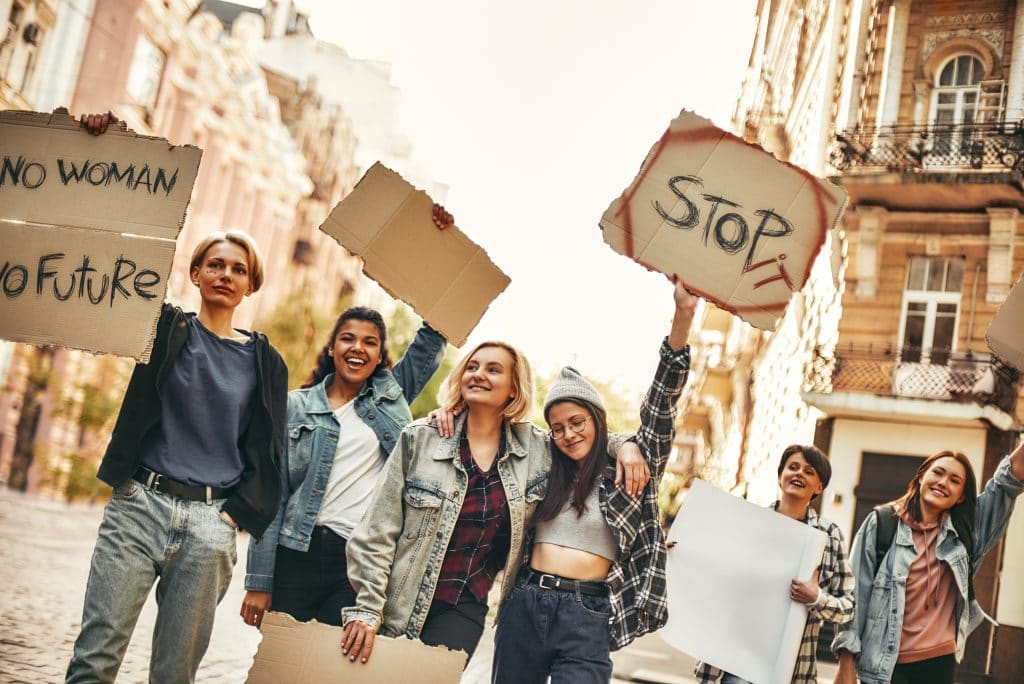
(207, 401)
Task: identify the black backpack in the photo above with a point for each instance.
(885, 533)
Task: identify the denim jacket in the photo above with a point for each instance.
(396, 552)
(874, 635)
(383, 404)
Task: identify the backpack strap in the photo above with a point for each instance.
(885, 532)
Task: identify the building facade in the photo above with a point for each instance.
(275, 161)
(915, 108)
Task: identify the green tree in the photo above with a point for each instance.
(298, 332)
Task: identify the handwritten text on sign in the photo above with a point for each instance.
(87, 232)
(740, 228)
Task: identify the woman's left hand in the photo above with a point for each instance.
(631, 471)
(442, 219)
(805, 592)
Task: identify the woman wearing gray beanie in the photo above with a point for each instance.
(595, 576)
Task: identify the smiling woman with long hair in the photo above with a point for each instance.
(342, 425)
(914, 561)
(593, 576)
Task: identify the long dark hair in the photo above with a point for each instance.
(962, 514)
(324, 365)
(569, 478)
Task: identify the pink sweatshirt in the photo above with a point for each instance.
(928, 628)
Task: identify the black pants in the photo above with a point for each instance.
(458, 627)
(544, 632)
(313, 585)
(941, 670)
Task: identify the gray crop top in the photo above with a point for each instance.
(589, 532)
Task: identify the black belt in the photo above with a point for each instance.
(548, 581)
(165, 485)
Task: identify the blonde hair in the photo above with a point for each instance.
(240, 238)
(450, 396)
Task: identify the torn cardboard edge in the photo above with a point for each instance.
(1005, 335)
(82, 288)
(449, 280)
(293, 652)
(70, 178)
(706, 141)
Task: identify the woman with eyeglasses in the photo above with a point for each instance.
(451, 509)
(595, 576)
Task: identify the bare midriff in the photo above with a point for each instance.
(572, 563)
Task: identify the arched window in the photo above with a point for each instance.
(956, 91)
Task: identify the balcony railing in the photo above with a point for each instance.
(962, 377)
(900, 149)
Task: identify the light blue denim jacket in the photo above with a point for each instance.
(383, 404)
(874, 634)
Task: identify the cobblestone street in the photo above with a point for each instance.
(45, 549)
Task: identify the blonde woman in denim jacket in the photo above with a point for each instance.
(926, 554)
(451, 510)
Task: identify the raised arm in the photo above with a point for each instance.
(420, 361)
(995, 503)
(658, 411)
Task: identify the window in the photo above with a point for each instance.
(931, 307)
(146, 71)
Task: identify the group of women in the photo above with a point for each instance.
(359, 516)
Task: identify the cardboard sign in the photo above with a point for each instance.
(1005, 335)
(737, 226)
(442, 274)
(87, 225)
(293, 652)
(726, 609)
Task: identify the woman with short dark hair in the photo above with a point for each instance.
(804, 472)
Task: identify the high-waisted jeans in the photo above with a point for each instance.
(187, 549)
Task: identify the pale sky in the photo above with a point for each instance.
(536, 115)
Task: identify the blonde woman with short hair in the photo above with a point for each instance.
(193, 458)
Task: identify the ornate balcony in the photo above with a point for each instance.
(941, 167)
(995, 146)
(961, 377)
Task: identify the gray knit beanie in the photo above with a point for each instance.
(570, 385)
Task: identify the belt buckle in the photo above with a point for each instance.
(556, 581)
(153, 481)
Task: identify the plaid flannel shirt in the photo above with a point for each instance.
(479, 544)
(835, 604)
(636, 581)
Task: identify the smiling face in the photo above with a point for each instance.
(486, 381)
(356, 352)
(565, 418)
(222, 275)
(942, 484)
(799, 479)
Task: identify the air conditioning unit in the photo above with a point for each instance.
(32, 34)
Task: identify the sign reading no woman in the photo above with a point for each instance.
(739, 227)
(87, 228)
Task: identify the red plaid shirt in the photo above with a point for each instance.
(480, 542)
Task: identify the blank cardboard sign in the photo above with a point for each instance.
(442, 274)
(1005, 335)
(87, 230)
(740, 228)
(295, 652)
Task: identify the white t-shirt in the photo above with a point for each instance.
(357, 466)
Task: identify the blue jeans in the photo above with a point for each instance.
(729, 678)
(187, 549)
(544, 632)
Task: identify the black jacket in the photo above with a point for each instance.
(255, 499)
